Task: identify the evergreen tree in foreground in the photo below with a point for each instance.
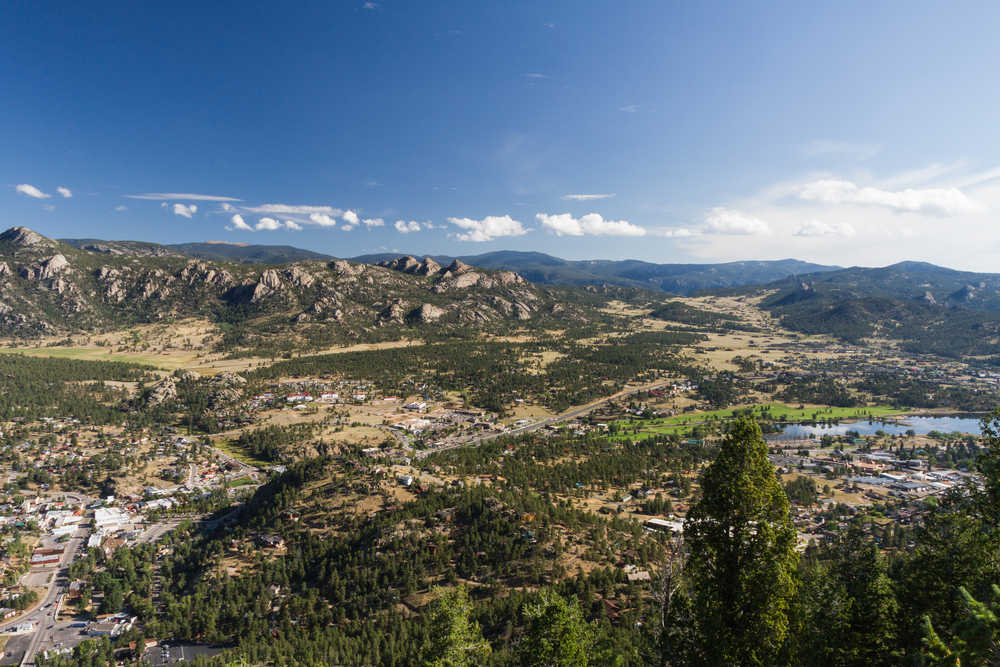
(456, 640)
(742, 559)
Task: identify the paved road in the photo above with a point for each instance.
(569, 414)
(44, 613)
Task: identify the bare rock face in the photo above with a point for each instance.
(428, 268)
(163, 392)
(4, 269)
(24, 237)
(406, 264)
(47, 268)
(298, 277)
(345, 269)
(929, 298)
(270, 279)
(427, 313)
(393, 313)
(106, 273)
(190, 375)
(228, 379)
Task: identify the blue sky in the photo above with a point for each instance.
(850, 133)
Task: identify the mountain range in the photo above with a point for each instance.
(535, 267)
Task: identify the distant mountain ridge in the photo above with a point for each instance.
(683, 279)
(535, 267)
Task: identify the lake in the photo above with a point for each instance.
(922, 425)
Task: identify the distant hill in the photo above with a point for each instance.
(928, 308)
(215, 251)
(683, 279)
(248, 254)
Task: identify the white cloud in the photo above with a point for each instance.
(589, 224)
(186, 211)
(374, 222)
(488, 228)
(293, 226)
(928, 201)
(632, 108)
(163, 196)
(228, 207)
(323, 220)
(351, 218)
(404, 227)
(48, 207)
(121, 208)
(239, 224)
(31, 191)
(587, 197)
(370, 5)
(65, 192)
(817, 228)
(722, 221)
(268, 223)
(535, 75)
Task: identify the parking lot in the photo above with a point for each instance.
(172, 653)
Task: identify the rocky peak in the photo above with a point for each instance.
(24, 237)
(406, 264)
(4, 269)
(457, 268)
(428, 268)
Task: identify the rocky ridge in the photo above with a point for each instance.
(48, 287)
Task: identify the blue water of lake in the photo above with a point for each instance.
(922, 426)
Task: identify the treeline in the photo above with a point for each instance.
(36, 387)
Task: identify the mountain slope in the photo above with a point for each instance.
(929, 309)
(49, 287)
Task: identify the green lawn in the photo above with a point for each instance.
(669, 425)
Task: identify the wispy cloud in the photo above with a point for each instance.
(293, 226)
(817, 228)
(48, 207)
(549, 25)
(928, 201)
(855, 150)
(535, 75)
(65, 192)
(404, 227)
(31, 191)
(587, 197)
(374, 222)
(121, 208)
(167, 196)
(370, 5)
(592, 224)
(632, 108)
(488, 228)
(279, 209)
